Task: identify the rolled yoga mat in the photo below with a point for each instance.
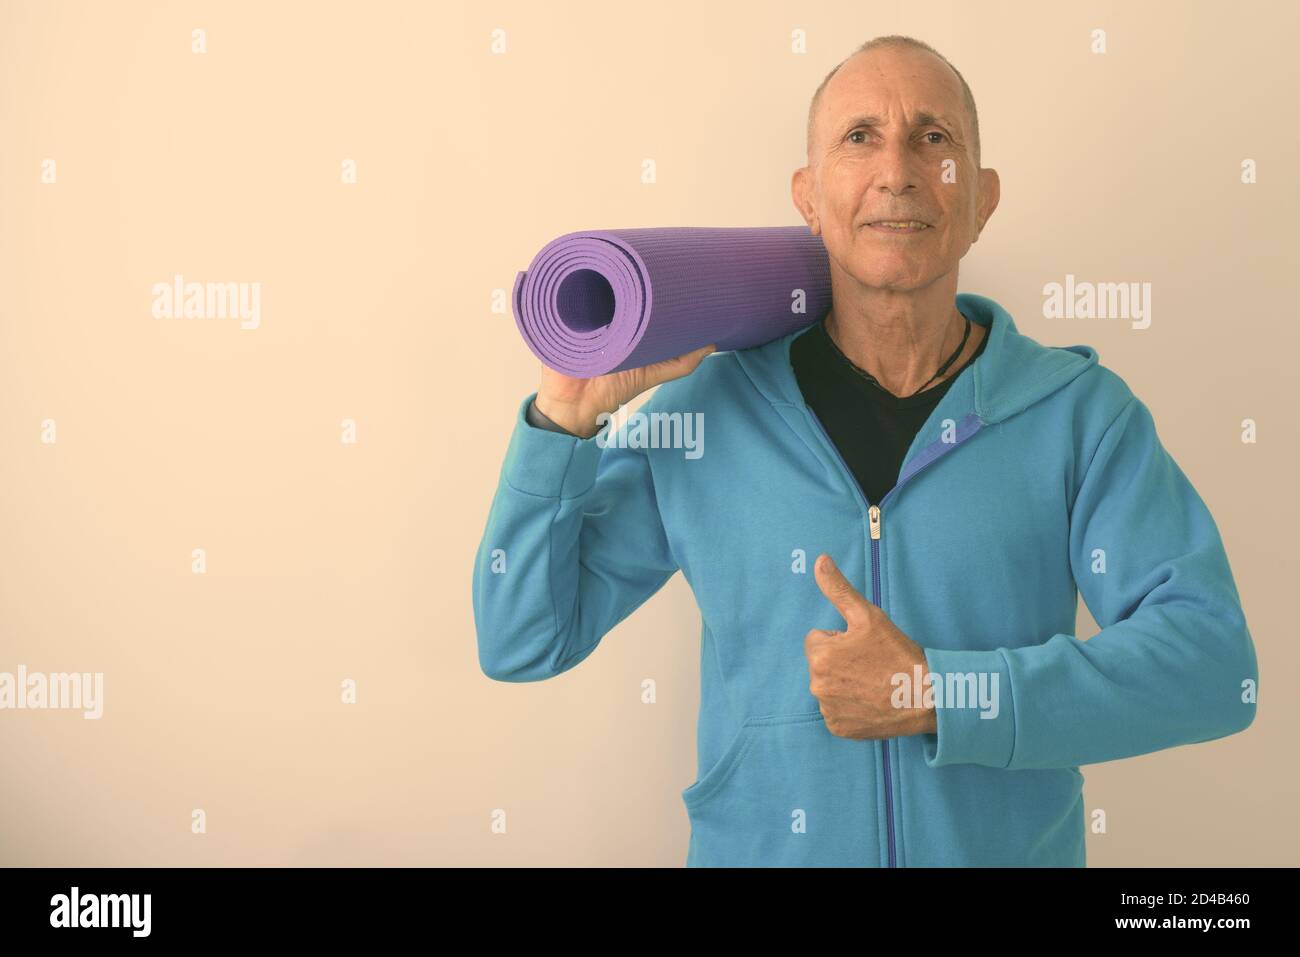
(606, 300)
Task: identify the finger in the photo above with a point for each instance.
(816, 636)
(676, 367)
(840, 591)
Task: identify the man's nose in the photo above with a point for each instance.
(896, 170)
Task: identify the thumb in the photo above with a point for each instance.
(676, 367)
(840, 591)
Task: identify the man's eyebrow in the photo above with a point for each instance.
(922, 119)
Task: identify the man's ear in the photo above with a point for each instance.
(990, 193)
(801, 193)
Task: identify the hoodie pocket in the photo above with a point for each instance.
(785, 792)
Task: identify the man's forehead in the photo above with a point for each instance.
(864, 85)
(850, 118)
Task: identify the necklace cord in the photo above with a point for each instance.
(872, 379)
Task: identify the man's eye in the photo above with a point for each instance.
(857, 133)
(936, 133)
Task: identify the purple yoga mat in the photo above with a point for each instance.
(607, 300)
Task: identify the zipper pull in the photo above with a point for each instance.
(874, 514)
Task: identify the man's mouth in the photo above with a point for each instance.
(900, 225)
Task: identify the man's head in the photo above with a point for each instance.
(893, 135)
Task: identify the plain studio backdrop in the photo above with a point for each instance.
(382, 172)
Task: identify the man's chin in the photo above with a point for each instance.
(901, 276)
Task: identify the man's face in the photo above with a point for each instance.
(892, 141)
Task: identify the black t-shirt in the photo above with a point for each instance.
(871, 428)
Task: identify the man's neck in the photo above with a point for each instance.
(901, 339)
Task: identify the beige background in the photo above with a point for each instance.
(329, 561)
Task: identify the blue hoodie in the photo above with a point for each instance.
(1038, 476)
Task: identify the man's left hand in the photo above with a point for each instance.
(851, 672)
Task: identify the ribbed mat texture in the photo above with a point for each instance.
(606, 300)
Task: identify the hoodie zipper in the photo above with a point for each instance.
(874, 516)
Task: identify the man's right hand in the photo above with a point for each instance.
(576, 404)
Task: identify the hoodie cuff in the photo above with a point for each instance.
(980, 732)
(549, 464)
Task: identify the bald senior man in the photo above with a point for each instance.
(922, 701)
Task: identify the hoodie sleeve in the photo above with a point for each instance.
(1171, 661)
(573, 545)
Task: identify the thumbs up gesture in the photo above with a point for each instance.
(851, 672)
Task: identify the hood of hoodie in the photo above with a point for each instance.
(1011, 374)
